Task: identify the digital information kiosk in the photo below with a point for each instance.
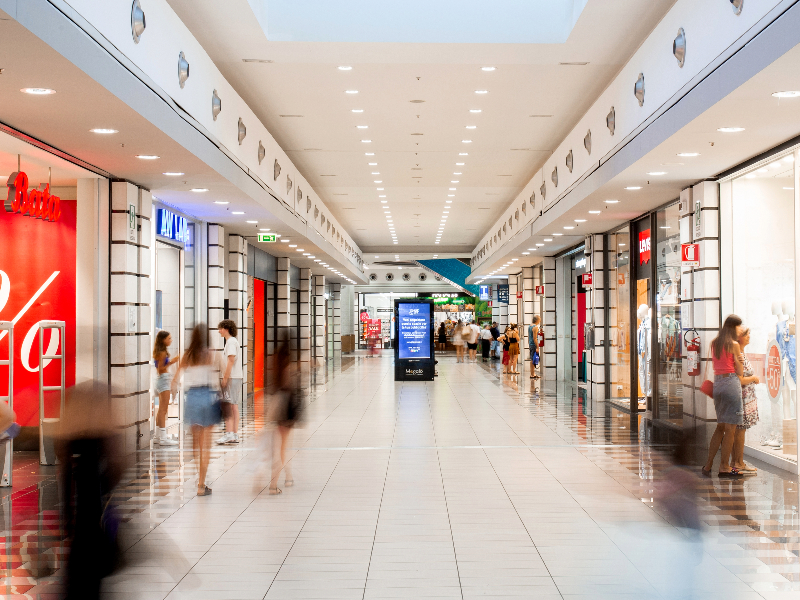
(413, 347)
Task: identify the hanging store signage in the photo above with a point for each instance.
(644, 247)
(374, 328)
(690, 255)
(502, 293)
(39, 204)
(483, 293)
(586, 279)
(37, 283)
(170, 225)
(267, 237)
(772, 370)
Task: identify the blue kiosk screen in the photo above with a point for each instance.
(414, 330)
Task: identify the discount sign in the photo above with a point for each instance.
(772, 370)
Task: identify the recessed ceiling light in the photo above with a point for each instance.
(369, 154)
(373, 164)
(451, 189)
(103, 131)
(253, 222)
(595, 212)
(481, 91)
(375, 173)
(580, 220)
(762, 170)
(548, 239)
(199, 190)
(366, 141)
(383, 196)
(456, 181)
(568, 227)
(384, 201)
(788, 188)
(379, 189)
(362, 126)
(357, 110)
(789, 158)
(292, 245)
(456, 173)
(463, 154)
(300, 250)
(730, 129)
(466, 141)
(633, 187)
(488, 68)
(471, 126)
(38, 91)
(221, 202)
(449, 201)
(459, 164)
(316, 260)
(611, 201)
(263, 229)
(540, 245)
(475, 110)
(688, 154)
(378, 181)
(657, 173)
(788, 94)
(171, 174)
(526, 253)
(147, 156)
(345, 68)
(451, 196)
(237, 212)
(351, 91)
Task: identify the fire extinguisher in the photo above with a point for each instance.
(541, 338)
(692, 352)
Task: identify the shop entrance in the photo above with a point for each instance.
(570, 315)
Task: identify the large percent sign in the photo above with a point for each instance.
(772, 370)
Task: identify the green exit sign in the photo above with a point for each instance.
(267, 237)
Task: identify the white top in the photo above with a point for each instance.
(232, 349)
(473, 336)
(486, 334)
(199, 376)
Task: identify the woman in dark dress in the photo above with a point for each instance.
(442, 337)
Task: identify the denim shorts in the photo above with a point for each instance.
(201, 406)
(163, 382)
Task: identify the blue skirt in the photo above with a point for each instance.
(201, 407)
(728, 399)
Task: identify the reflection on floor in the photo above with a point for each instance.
(474, 485)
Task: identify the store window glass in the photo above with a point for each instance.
(763, 275)
(643, 263)
(619, 327)
(667, 259)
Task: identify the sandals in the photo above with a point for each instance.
(748, 469)
(206, 491)
(275, 491)
(734, 473)
(706, 472)
(288, 483)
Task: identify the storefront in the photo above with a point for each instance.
(571, 303)
(758, 217)
(376, 319)
(49, 265)
(644, 370)
(175, 291)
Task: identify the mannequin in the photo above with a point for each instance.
(789, 367)
(643, 349)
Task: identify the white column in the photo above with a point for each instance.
(318, 295)
(216, 284)
(130, 312)
(305, 316)
(595, 313)
(237, 300)
(284, 295)
(336, 299)
(549, 318)
(527, 308)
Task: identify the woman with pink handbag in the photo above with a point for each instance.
(727, 395)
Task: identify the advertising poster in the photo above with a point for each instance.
(483, 312)
(37, 283)
(502, 293)
(414, 330)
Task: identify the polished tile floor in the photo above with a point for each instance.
(474, 485)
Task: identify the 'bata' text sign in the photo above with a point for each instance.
(690, 255)
(39, 204)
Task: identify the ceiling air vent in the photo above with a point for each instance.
(437, 277)
(138, 23)
(423, 276)
(373, 277)
(389, 277)
(216, 105)
(406, 277)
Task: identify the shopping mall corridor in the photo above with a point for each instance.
(470, 486)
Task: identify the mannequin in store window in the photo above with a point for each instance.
(786, 340)
(643, 347)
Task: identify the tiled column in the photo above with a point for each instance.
(305, 316)
(512, 299)
(595, 313)
(216, 284)
(130, 312)
(284, 295)
(336, 299)
(237, 300)
(700, 291)
(549, 318)
(318, 298)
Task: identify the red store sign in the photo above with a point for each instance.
(586, 279)
(37, 283)
(644, 246)
(34, 203)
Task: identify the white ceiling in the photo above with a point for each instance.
(416, 171)
(767, 122)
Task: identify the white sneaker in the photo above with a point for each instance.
(166, 440)
(225, 439)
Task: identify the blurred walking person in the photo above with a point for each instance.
(201, 405)
(231, 382)
(533, 345)
(486, 342)
(472, 340)
(458, 341)
(163, 387)
(287, 407)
